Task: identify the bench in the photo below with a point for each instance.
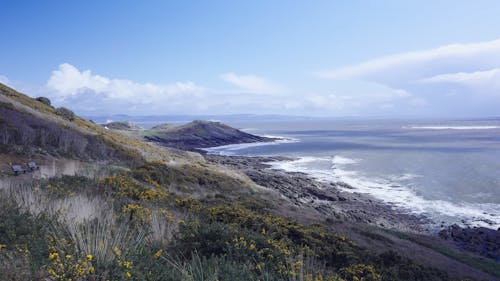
(18, 169)
(32, 166)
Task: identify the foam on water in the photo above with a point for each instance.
(452, 127)
(231, 149)
(394, 189)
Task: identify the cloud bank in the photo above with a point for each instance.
(68, 81)
(95, 94)
(91, 92)
(414, 64)
(451, 80)
(436, 77)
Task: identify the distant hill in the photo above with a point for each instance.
(122, 126)
(163, 127)
(200, 134)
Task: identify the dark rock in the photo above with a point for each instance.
(480, 240)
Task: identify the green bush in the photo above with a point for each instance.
(23, 234)
(44, 100)
(66, 113)
(7, 105)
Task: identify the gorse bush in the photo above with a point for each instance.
(23, 240)
(44, 100)
(130, 228)
(66, 113)
(124, 185)
(186, 178)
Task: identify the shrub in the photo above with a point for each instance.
(44, 100)
(69, 185)
(66, 113)
(22, 234)
(123, 185)
(7, 105)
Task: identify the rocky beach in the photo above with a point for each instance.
(327, 200)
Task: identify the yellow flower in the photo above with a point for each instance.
(53, 256)
(52, 272)
(90, 257)
(68, 257)
(128, 274)
(157, 255)
(297, 264)
(117, 251)
(252, 246)
(91, 269)
(127, 264)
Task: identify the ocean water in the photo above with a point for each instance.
(448, 170)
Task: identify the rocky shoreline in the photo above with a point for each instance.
(327, 199)
(330, 202)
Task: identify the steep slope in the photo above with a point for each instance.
(30, 127)
(200, 134)
(33, 129)
(26, 134)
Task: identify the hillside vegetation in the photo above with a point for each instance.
(161, 214)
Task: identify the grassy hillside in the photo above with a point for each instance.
(163, 214)
(43, 119)
(199, 134)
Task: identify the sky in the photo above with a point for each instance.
(313, 58)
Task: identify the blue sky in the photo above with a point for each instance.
(319, 58)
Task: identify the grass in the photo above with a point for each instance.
(484, 264)
(181, 238)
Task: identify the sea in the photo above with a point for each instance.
(446, 170)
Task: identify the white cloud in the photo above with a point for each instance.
(86, 91)
(451, 79)
(252, 83)
(478, 79)
(359, 98)
(92, 94)
(68, 81)
(415, 63)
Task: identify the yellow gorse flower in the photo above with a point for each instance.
(117, 251)
(90, 257)
(127, 264)
(53, 256)
(157, 255)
